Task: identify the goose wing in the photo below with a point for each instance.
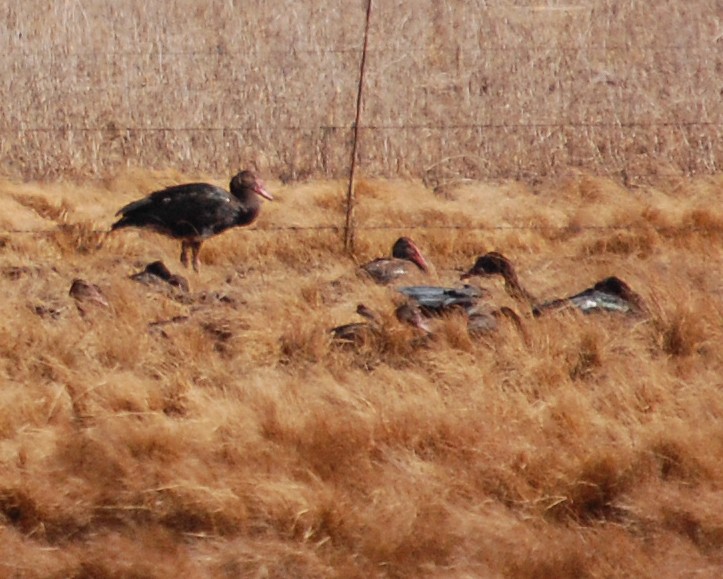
(437, 299)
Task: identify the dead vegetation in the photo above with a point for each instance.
(218, 432)
(453, 91)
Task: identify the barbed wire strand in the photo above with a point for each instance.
(416, 227)
(376, 127)
(56, 52)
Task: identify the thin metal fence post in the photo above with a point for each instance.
(350, 198)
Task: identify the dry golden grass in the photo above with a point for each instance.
(236, 441)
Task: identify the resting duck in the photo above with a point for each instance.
(610, 294)
(411, 315)
(406, 257)
(358, 333)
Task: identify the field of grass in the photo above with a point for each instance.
(221, 434)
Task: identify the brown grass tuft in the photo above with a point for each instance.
(683, 333)
(588, 357)
(625, 244)
(597, 491)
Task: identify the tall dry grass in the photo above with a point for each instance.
(234, 440)
(456, 90)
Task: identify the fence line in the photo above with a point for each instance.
(380, 127)
(54, 52)
(618, 89)
(416, 227)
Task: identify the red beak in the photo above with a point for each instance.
(259, 190)
(418, 258)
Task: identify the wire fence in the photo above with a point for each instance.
(421, 227)
(473, 89)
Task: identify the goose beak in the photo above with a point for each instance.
(418, 259)
(467, 275)
(260, 190)
(424, 326)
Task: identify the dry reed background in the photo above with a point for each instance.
(238, 442)
(468, 89)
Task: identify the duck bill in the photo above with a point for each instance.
(475, 273)
(260, 190)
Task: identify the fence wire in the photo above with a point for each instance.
(407, 227)
(617, 88)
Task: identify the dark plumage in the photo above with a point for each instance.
(87, 295)
(435, 300)
(411, 315)
(494, 263)
(359, 333)
(440, 301)
(609, 294)
(406, 257)
(484, 322)
(196, 211)
(369, 332)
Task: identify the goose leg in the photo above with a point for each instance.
(185, 245)
(195, 250)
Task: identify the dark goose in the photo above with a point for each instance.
(406, 257)
(437, 300)
(195, 212)
(481, 319)
(610, 294)
(156, 273)
(365, 333)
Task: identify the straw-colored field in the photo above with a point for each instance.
(236, 441)
(483, 89)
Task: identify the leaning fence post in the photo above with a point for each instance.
(349, 226)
